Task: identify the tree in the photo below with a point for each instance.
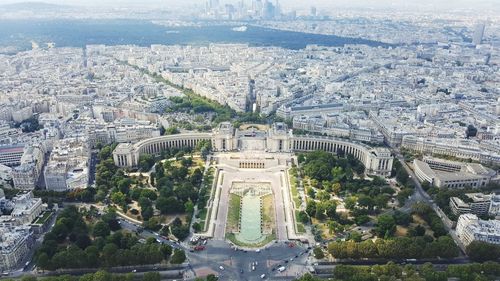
(367, 249)
(318, 253)
(350, 203)
(43, 261)
(331, 209)
(318, 170)
(102, 276)
(311, 208)
(447, 248)
(337, 173)
(180, 231)
(147, 213)
(178, 257)
(366, 201)
(418, 230)
(101, 229)
(336, 187)
(471, 131)
(152, 224)
(146, 162)
(402, 218)
(386, 226)
(212, 277)
(118, 198)
(480, 251)
(166, 251)
(303, 217)
(361, 219)
(355, 236)
(83, 241)
(381, 201)
(151, 276)
(171, 131)
(189, 207)
(169, 205)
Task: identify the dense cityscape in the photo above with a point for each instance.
(249, 140)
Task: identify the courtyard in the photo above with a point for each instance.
(252, 206)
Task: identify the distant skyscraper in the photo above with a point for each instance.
(257, 7)
(313, 11)
(277, 10)
(213, 4)
(477, 38)
(268, 11)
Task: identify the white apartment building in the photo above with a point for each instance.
(470, 228)
(460, 148)
(5, 174)
(451, 174)
(25, 209)
(55, 176)
(67, 168)
(476, 203)
(22, 114)
(25, 176)
(15, 244)
(10, 155)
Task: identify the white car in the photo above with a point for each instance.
(221, 267)
(262, 276)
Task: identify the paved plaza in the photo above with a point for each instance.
(252, 184)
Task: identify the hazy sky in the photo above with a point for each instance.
(285, 3)
(299, 5)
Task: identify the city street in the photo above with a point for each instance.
(237, 264)
(220, 253)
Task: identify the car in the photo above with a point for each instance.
(262, 276)
(199, 248)
(281, 269)
(291, 259)
(286, 261)
(221, 267)
(253, 267)
(257, 251)
(134, 271)
(241, 271)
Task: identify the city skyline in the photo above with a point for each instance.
(292, 4)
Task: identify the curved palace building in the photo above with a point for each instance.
(276, 139)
